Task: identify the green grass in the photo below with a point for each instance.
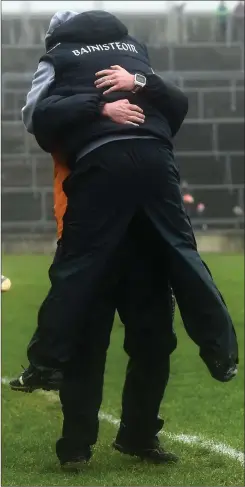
(194, 404)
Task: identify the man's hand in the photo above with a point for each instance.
(117, 78)
(123, 112)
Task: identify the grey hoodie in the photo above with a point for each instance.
(44, 75)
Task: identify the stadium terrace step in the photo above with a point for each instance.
(17, 174)
(231, 136)
(223, 104)
(197, 58)
(211, 169)
(25, 29)
(21, 58)
(211, 80)
(211, 135)
(210, 58)
(24, 206)
(14, 138)
(215, 103)
(13, 100)
(194, 137)
(201, 169)
(28, 172)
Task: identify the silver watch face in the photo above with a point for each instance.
(140, 79)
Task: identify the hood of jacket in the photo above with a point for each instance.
(92, 27)
(57, 20)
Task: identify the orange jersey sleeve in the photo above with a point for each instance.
(61, 171)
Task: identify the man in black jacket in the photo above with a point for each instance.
(117, 172)
(145, 304)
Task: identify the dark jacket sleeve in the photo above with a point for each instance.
(169, 100)
(55, 115)
(167, 97)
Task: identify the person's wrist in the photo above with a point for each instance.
(104, 109)
(132, 82)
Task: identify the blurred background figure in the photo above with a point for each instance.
(189, 203)
(200, 208)
(172, 20)
(238, 211)
(200, 211)
(180, 11)
(222, 21)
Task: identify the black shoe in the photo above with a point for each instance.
(74, 465)
(32, 379)
(72, 455)
(221, 370)
(153, 452)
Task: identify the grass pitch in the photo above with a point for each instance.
(194, 404)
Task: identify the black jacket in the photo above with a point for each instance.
(70, 117)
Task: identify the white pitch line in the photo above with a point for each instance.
(220, 448)
(192, 440)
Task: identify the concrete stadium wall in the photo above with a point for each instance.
(221, 242)
(215, 242)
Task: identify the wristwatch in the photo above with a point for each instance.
(139, 82)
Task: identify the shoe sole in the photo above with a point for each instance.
(74, 466)
(143, 458)
(21, 389)
(231, 374)
(32, 389)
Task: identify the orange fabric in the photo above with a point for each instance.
(61, 171)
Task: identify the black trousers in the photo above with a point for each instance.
(105, 192)
(144, 301)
